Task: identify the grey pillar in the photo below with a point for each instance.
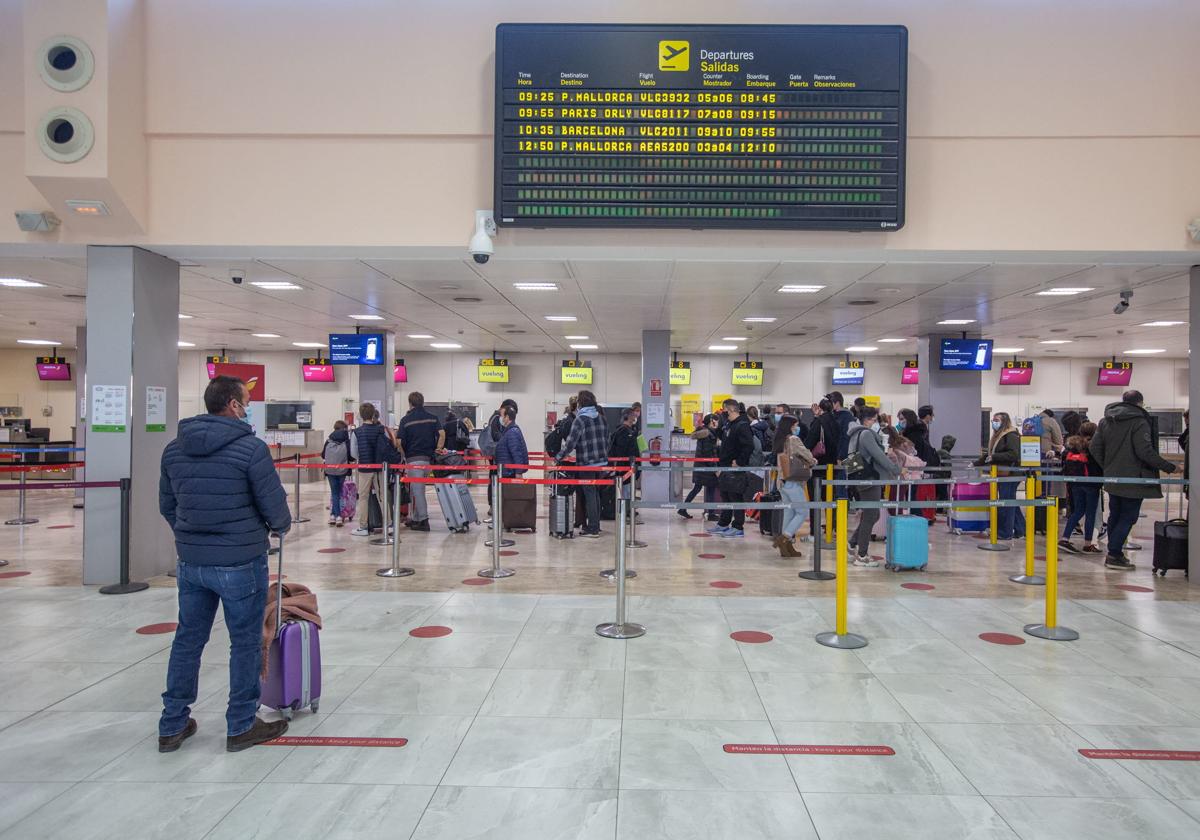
(956, 396)
(132, 352)
(80, 407)
(376, 383)
(1193, 388)
(656, 407)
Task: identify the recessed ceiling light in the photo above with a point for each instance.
(307, 344)
(563, 318)
(1056, 341)
(275, 286)
(1063, 291)
(449, 287)
(41, 342)
(1164, 323)
(722, 347)
(468, 300)
(445, 345)
(20, 283)
(757, 320)
(87, 208)
(862, 349)
(536, 287)
(734, 338)
(585, 346)
(1144, 351)
(1008, 349)
(183, 317)
(956, 322)
(796, 289)
(891, 340)
(420, 335)
(264, 335)
(186, 344)
(576, 337)
(367, 317)
(888, 290)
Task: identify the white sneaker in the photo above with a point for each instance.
(866, 562)
(360, 532)
(333, 520)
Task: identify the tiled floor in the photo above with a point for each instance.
(522, 723)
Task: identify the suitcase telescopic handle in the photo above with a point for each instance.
(279, 591)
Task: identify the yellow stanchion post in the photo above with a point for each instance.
(1030, 578)
(993, 543)
(1049, 629)
(840, 638)
(829, 498)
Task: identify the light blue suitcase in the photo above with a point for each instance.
(907, 543)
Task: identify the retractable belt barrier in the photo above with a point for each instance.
(21, 486)
(38, 450)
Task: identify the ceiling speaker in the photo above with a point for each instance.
(66, 63)
(65, 134)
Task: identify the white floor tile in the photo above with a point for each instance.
(712, 815)
(458, 650)
(658, 652)
(1172, 779)
(689, 755)
(692, 695)
(1101, 700)
(969, 698)
(551, 693)
(1051, 818)
(851, 816)
(500, 813)
(69, 746)
(537, 752)
(20, 799)
(32, 686)
(828, 697)
(581, 653)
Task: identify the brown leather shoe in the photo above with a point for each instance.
(170, 743)
(260, 732)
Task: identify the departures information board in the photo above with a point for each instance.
(757, 127)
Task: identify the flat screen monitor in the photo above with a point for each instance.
(1115, 377)
(54, 373)
(212, 370)
(966, 354)
(575, 375)
(849, 376)
(1016, 376)
(681, 376)
(318, 373)
(297, 415)
(910, 376)
(495, 370)
(356, 349)
(399, 373)
(751, 377)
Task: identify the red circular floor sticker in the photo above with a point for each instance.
(725, 584)
(1002, 638)
(700, 534)
(1129, 587)
(478, 581)
(754, 637)
(6, 575)
(711, 556)
(330, 550)
(433, 631)
(509, 553)
(57, 527)
(155, 629)
(920, 587)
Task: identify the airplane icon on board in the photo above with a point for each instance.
(673, 55)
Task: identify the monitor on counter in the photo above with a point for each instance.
(1116, 375)
(356, 348)
(318, 373)
(966, 354)
(493, 370)
(849, 375)
(1016, 376)
(54, 371)
(910, 376)
(399, 372)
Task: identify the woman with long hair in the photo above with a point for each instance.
(1004, 450)
(795, 464)
(707, 446)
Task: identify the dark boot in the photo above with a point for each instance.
(171, 743)
(260, 732)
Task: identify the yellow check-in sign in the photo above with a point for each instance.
(674, 55)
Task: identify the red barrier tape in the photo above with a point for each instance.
(61, 485)
(565, 468)
(482, 482)
(659, 460)
(566, 482)
(392, 467)
(70, 465)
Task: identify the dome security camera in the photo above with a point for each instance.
(237, 276)
(1123, 305)
(481, 247)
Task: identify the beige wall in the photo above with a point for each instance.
(19, 385)
(1069, 125)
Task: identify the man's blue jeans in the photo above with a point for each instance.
(1122, 516)
(242, 591)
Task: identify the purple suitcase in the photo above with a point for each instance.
(293, 678)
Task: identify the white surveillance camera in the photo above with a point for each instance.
(1121, 307)
(481, 247)
(1193, 229)
(237, 276)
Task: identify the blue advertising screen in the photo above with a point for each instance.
(356, 349)
(966, 354)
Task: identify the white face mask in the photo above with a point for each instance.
(995, 425)
(874, 427)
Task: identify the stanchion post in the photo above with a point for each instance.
(623, 536)
(1049, 629)
(620, 629)
(496, 570)
(395, 570)
(1029, 578)
(816, 572)
(840, 638)
(384, 508)
(125, 586)
(21, 519)
(633, 541)
(829, 498)
(993, 543)
(296, 517)
(498, 540)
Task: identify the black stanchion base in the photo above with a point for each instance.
(123, 588)
(817, 574)
(996, 547)
(297, 520)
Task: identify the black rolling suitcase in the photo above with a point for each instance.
(770, 522)
(1171, 546)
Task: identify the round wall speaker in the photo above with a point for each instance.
(66, 63)
(65, 134)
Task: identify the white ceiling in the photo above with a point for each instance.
(701, 301)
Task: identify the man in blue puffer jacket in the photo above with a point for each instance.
(221, 495)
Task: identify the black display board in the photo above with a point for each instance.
(757, 127)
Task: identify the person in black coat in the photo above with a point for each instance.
(707, 446)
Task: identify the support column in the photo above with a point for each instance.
(956, 396)
(656, 407)
(132, 381)
(80, 407)
(1193, 388)
(376, 383)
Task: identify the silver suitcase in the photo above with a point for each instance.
(457, 506)
(562, 509)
